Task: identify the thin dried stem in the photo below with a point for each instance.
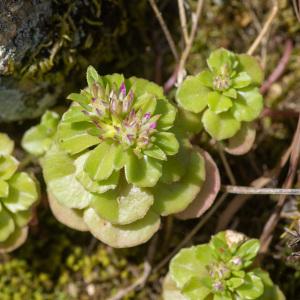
(280, 68)
(264, 30)
(139, 282)
(296, 4)
(226, 164)
(246, 190)
(201, 223)
(164, 29)
(183, 23)
(186, 52)
(238, 201)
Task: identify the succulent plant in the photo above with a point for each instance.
(18, 195)
(38, 139)
(219, 270)
(117, 162)
(226, 93)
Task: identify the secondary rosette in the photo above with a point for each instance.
(221, 269)
(227, 93)
(18, 195)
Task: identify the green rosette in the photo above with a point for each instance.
(226, 95)
(117, 162)
(18, 196)
(222, 269)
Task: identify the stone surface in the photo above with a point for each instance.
(46, 46)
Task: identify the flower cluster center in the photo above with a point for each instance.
(221, 82)
(115, 116)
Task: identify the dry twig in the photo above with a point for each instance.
(164, 29)
(226, 164)
(187, 50)
(183, 22)
(140, 282)
(264, 30)
(278, 71)
(237, 202)
(246, 190)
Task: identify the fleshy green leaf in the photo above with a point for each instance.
(170, 290)
(220, 247)
(81, 99)
(248, 250)
(124, 205)
(4, 188)
(208, 193)
(59, 172)
(100, 163)
(146, 103)
(98, 186)
(175, 197)
(195, 290)
(167, 114)
(7, 225)
(248, 105)
(74, 138)
(252, 288)
(8, 166)
(23, 192)
(122, 236)
(15, 240)
(22, 218)
(187, 123)
(231, 93)
(6, 144)
(250, 65)
(92, 76)
(220, 58)
(167, 142)
(74, 114)
(114, 80)
(72, 218)
(175, 167)
(241, 80)
(271, 291)
(221, 126)
(142, 172)
(218, 103)
(191, 95)
(235, 282)
(186, 265)
(206, 78)
(142, 86)
(156, 153)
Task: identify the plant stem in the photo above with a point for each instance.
(164, 29)
(264, 29)
(246, 190)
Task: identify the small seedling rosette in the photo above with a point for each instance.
(226, 94)
(18, 196)
(117, 164)
(220, 270)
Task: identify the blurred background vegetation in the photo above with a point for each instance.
(45, 47)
